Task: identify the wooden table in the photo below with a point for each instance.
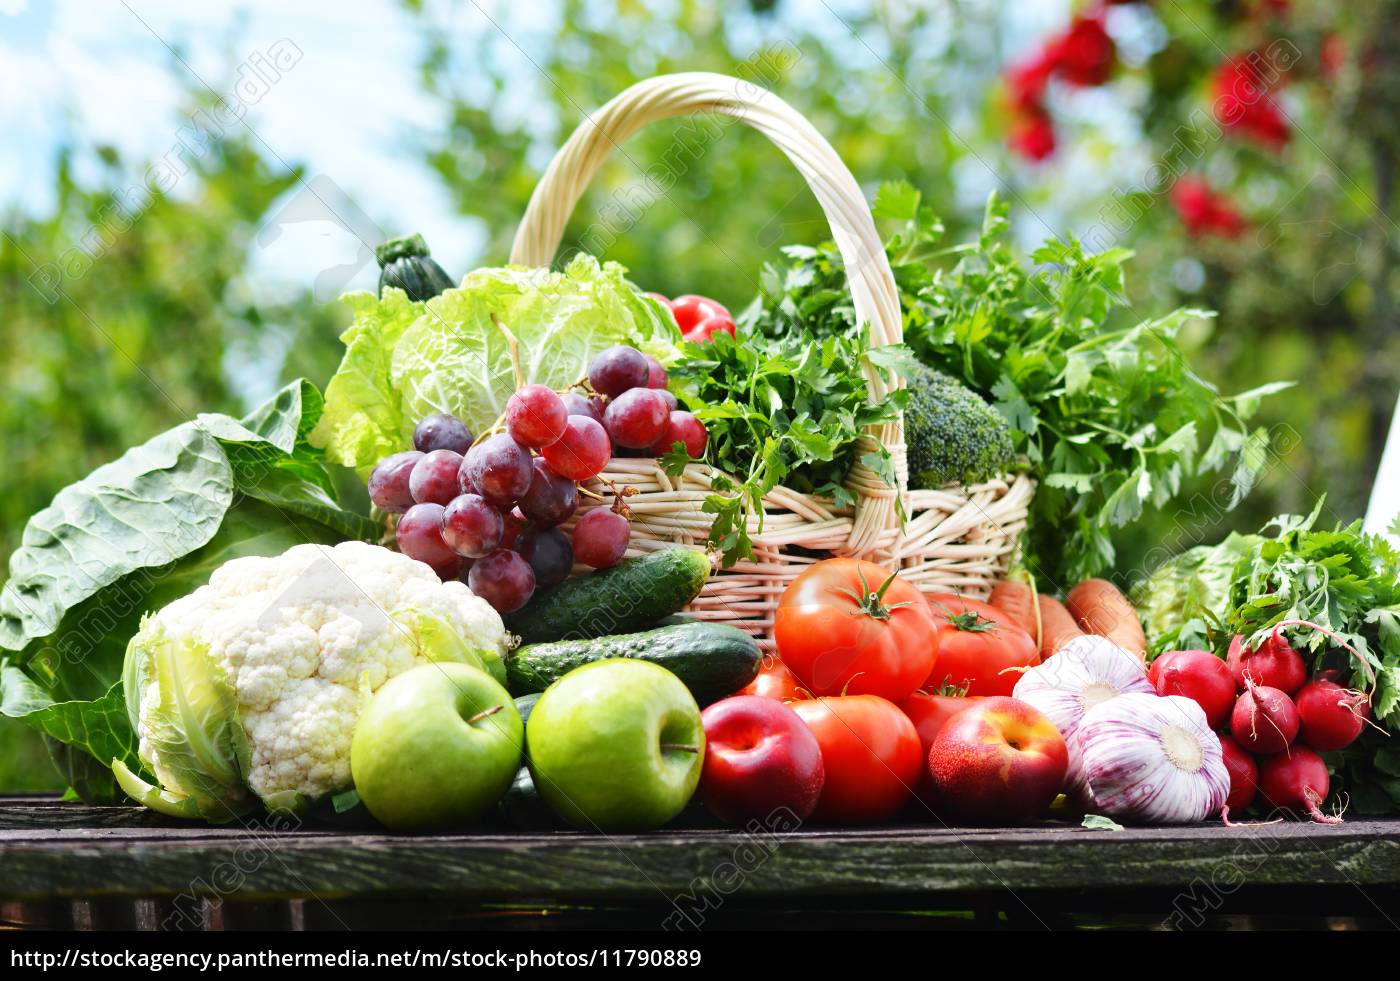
(66, 865)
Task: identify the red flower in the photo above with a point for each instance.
(1026, 82)
(1032, 137)
(1332, 55)
(1242, 101)
(1084, 54)
(1203, 211)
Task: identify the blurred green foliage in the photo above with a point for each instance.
(143, 337)
(120, 323)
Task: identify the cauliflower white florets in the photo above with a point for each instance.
(304, 638)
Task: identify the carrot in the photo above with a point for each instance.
(1101, 608)
(1057, 626)
(1017, 600)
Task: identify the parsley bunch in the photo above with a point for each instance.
(1111, 418)
(780, 410)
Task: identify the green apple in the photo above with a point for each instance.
(436, 747)
(616, 745)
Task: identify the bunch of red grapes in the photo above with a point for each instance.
(492, 508)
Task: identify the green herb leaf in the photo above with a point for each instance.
(1098, 822)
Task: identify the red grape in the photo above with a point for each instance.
(449, 570)
(499, 469)
(582, 452)
(672, 403)
(516, 522)
(419, 536)
(656, 375)
(442, 431)
(535, 416)
(502, 578)
(549, 553)
(582, 405)
(434, 477)
(636, 418)
(682, 427)
(690, 309)
(551, 498)
(471, 527)
(616, 369)
(388, 484)
(600, 538)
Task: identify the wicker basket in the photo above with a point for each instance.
(955, 539)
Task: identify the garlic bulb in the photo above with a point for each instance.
(1085, 672)
(1152, 758)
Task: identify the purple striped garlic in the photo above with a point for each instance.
(1152, 759)
(1085, 672)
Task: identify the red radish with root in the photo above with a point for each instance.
(1244, 774)
(1296, 781)
(1330, 716)
(1264, 720)
(1274, 665)
(1199, 676)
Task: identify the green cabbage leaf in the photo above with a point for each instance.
(458, 351)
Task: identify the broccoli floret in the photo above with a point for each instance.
(953, 435)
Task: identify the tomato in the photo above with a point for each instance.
(930, 712)
(975, 642)
(707, 328)
(690, 309)
(848, 627)
(774, 681)
(871, 754)
(659, 299)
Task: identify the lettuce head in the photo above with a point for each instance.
(453, 353)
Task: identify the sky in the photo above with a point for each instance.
(103, 71)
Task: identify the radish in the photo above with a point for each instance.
(1264, 720)
(1201, 677)
(1244, 774)
(1330, 716)
(1275, 664)
(1296, 781)
(1159, 664)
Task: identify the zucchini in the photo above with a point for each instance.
(631, 595)
(405, 263)
(713, 660)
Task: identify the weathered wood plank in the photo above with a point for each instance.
(686, 867)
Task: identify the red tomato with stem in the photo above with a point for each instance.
(976, 643)
(849, 627)
(871, 754)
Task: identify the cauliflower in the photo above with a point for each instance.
(255, 681)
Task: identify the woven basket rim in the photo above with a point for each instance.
(870, 279)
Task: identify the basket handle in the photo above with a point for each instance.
(872, 285)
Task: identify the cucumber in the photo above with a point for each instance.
(631, 595)
(525, 704)
(713, 660)
(523, 808)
